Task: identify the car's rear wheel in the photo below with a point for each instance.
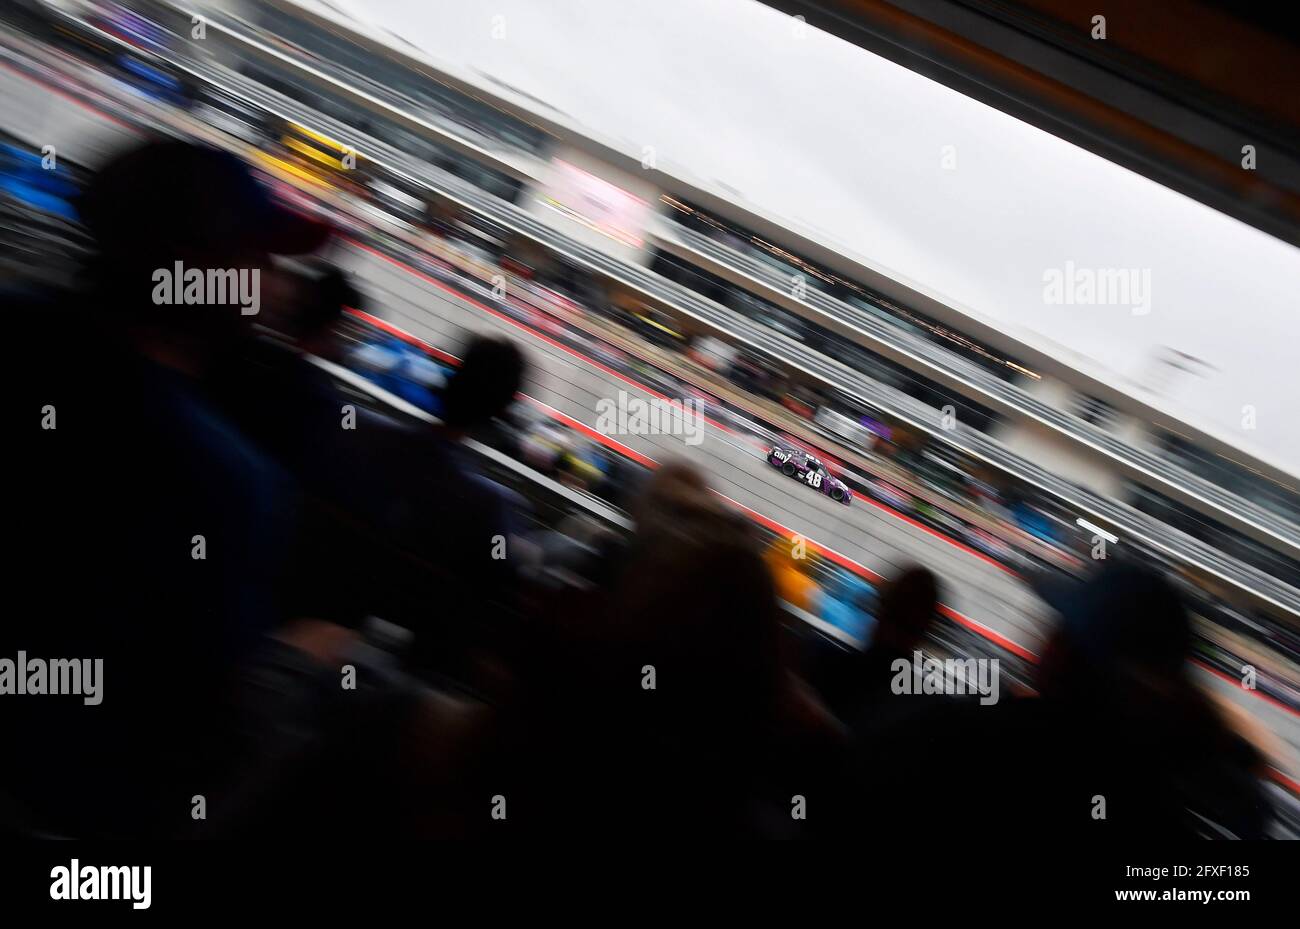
(788, 469)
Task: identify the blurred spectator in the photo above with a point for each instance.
(166, 429)
(294, 409)
(180, 518)
(1116, 683)
(322, 300)
(448, 522)
(856, 684)
(286, 402)
(1121, 744)
(663, 708)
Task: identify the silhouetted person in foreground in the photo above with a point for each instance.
(160, 519)
(152, 527)
(662, 707)
(1116, 686)
(1121, 743)
(856, 684)
(437, 504)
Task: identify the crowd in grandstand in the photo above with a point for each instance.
(320, 619)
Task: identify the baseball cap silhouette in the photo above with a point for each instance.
(174, 196)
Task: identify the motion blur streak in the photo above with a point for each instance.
(363, 530)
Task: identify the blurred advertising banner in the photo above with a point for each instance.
(597, 204)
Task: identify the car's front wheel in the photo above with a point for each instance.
(788, 469)
(837, 494)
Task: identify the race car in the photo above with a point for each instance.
(803, 466)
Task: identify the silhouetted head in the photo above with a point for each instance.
(321, 303)
(183, 236)
(487, 380)
(674, 489)
(906, 608)
(690, 606)
(696, 600)
(1124, 623)
(175, 199)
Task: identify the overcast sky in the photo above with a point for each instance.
(850, 147)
